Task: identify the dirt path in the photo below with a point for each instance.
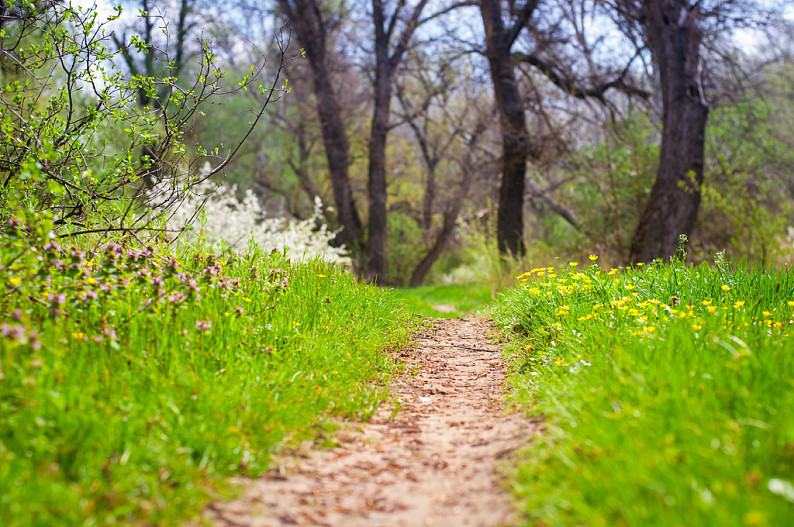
(432, 464)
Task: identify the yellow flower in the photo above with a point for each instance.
(696, 327)
(712, 309)
(14, 281)
(640, 264)
(707, 302)
(612, 271)
(78, 335)
(296, 324)
(726, 287)
(320, 276)
(90, 280)
(791, 303)
(630, 287)
(766, 313)
(593, 257)
(246, 299)
(738, 304)
(573, 264)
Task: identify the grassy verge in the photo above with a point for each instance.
(456, 300)
(668, 392)
(132, 381)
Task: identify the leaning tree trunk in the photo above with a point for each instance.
(513, 127)
(337, 150)
(307, 21)
(674, 36)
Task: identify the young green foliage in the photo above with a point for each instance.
(133, 380)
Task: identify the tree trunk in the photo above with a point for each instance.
(386, 63)
(426, 263)
(513, 127)
(307, 22)
(376, 243)
(674, 36)
(337, 150)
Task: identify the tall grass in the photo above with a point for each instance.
(667, 392)
(132, 381)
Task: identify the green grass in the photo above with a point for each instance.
(132, 382)
(461, 300)
(667, 392)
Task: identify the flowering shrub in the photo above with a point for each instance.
(215, 215)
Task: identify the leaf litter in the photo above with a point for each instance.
(428, 458)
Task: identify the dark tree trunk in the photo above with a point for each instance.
(307, 22)
(376, 243)
(499, 40)
(337, 153)
(674, 36)
(386, 62)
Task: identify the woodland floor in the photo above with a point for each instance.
(430, 463)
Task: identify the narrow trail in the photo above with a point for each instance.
(431, 464)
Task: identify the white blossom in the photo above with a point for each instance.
(215, 215)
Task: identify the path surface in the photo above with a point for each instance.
(432, 464)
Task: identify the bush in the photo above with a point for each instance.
(213, 215)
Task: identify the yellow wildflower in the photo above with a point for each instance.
(738, 304)
(726, 287)
(593, 257)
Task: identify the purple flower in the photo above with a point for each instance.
(15, 332)
(203, 326)
(89, 295)
(176, 297)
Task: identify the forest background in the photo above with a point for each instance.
(441, 136)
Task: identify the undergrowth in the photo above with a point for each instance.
(133, 380)
(667, 392)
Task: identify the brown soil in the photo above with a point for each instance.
(431, 463)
